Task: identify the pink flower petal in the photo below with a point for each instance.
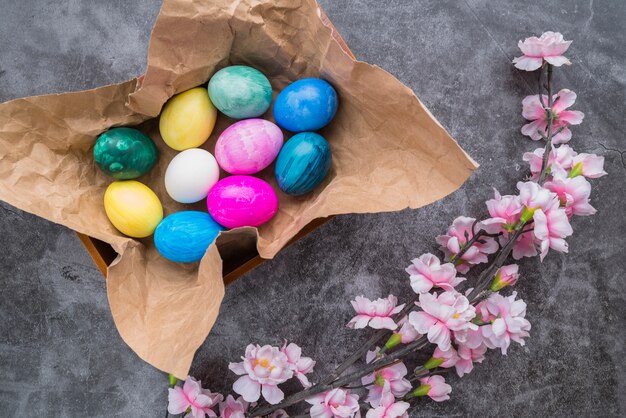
(527, 63)
(272, 394)
(247, 388)
(177, 401)
(557, 61)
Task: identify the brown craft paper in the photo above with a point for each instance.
(389, 153)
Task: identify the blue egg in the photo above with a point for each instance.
(306, 105)
(303, 163)
(185, 236)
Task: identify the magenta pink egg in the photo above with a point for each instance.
(248, 146)
(242, 201)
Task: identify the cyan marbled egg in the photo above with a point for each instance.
(248, 146)
(125, 153)
(306, 105)
(185, 236)
(240, 92)
(242, 201)
(303, 163)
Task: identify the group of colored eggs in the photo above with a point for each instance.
(246, 147)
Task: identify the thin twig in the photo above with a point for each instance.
(546, 152)
(367, 346)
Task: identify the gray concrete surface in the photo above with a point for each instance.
(60, 355)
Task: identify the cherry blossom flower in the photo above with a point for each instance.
(505, 212)
(442, 358)
(533, 110)
(560, 160)
(508, 323)
(407, 332)
(334, 403)
(427, 272)
(191, 398)
(551, 228)
(299, 365)
(390, 378)
(550, 48)
(525, 246)
(505, 276)
(471, 337)
(466, 357)
(449, 311)
(377, 314)
(588, 165)
(459, 233)
(261, 370)
(433, 386)
(573, 194)
(389, 408)
(533, 196)
(232, 408)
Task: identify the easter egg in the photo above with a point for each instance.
(132, 208)
(185, 236)
(306, 105)
(187, 119)
(248, 146)
(303, 163)
(240, 92)
(190, 175)
(125, 153)
(242, 201)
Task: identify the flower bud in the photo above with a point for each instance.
(527, 215)
(433, 362)
(576, 171)
(393, 341)
(421, 390)
(505, 276)
(172, 380)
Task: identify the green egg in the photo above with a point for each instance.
(240, 92)
(125, 153)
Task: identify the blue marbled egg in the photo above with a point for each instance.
(306, 105)
(303, 163)
(185, 236)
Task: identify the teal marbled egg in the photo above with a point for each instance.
(125, 153)
(240, 92)
(302, 163)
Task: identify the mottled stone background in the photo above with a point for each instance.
(60, 355)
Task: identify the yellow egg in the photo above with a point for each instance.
(187, 119)
(132, 208)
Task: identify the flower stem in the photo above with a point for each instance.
(369, 344)
(546, 152)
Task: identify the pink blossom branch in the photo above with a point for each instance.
(378, 335)
(361, 372)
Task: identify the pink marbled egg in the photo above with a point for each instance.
(242, 201)
(248, 146)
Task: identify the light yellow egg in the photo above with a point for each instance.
(132, 208)
(187, 119)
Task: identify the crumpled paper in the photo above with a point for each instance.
(389, 153)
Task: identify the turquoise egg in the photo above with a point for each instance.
(185, 236)
(240, 92)
(303, 163)
(125, 153)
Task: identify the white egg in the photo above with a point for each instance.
(190, 175)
